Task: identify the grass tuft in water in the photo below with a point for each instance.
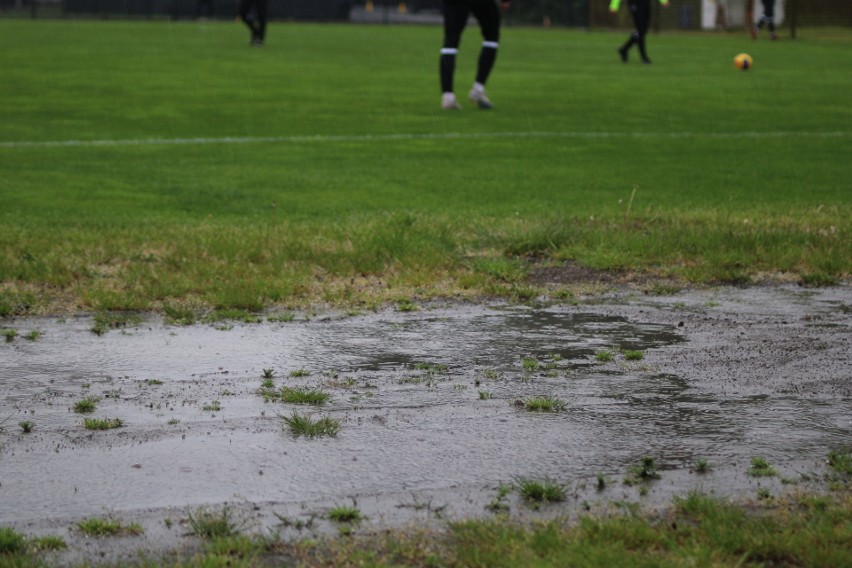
(214, 406)
(298, 395)
(102, 423)
(345, 514)
(644, 471)
(48, 542)
(604, 356)
(701, 466)
(541, 404)
(840, 461)
(634, 355)
(86, 405)
(305, 425)
(530, 364)
(210, 524)
(541, 491)
(99, 526)
(26, 426)
(761, 468)
(11, 542)
(300, 373)
(9, 335)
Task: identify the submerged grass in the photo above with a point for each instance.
(306, 425)
(101, 526)
(102, 423)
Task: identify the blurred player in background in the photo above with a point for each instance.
(253, 13)
(456, 13)
(767, 19)
(641, 12)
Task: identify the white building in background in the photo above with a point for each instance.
(723, 14)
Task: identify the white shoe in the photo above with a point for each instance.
(480, 99)
(449, 102)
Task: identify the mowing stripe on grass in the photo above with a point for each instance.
(425, 136)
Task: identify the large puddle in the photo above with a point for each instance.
(428, 405)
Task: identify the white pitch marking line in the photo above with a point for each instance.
(397, 137)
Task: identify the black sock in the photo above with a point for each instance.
(487, 57)
(448, 69)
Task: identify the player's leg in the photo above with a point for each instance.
(261, 21)
(488, 15)
(634, 35)
(245, 11)
(769, 11)
(642, 19)
(455, 19)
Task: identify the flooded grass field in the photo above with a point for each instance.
(440, 413)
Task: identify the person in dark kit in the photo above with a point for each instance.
(204, 9)
(456, 13)
(253, 13)
(768, 19)
(641, 12)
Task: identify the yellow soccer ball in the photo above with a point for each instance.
(743, 61)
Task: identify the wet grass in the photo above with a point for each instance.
(102, 423)
(345, 514)
(104, 526)
(632, 355)
(144, 236)
(27, 426)
(48, 542)
(214, 406)
(604, 356)
(306, 425)
(645, 470)
(840, 461)
(11, 542)
(701, 466)
(541, 404)
(299, 395)
(9, 335)
(696, 530)
(800, 529)
(761, 468)
(87, 405)
(541, 491)
(212, 524)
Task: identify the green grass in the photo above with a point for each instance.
(294, 395)
(86, 405)
(102, 423)
(761, 468)
(696, 531)
(541, 403)
(97, 526)
(305, 425)
(541, 491)
(683, 170)
(211, 524)
(11, 542)
(345, 514)
(604, 356)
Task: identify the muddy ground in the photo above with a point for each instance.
(430, 409)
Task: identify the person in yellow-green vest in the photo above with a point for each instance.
(641, 12)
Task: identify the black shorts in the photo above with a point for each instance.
(456, 13)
